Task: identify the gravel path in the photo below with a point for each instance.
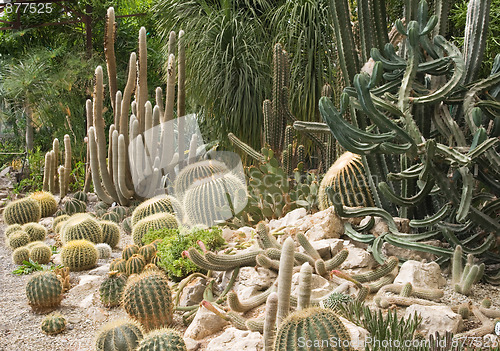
(20, 326)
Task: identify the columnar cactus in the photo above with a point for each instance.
(121, 335)
(463, 280)
(22, 211)
(111, 289)
(153, 222)
(110, 233)
(285, 279)
(162, 340)
(79, 255)
(147, 299)
(313, 323)
(47, 202)
(82, 226)
(53, 324)
(44, 290)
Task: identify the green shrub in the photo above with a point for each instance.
(175, 241)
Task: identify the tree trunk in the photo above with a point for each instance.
(29, 129)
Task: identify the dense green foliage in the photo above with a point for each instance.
(175, 241)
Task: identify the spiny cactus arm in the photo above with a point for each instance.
(267, 239)
(237, 260)
(55, 148)
(200, 260)
(159, 102)
(285, 279)
(122, 163)
(142, 78)
(270, 321)
(47, 172)
(456, 79)
(170, 93)
(397, 241)
(476, 30)
(471, 96)
(127, 95)
(53, 168)
(243, 306)
(320, 267)
(304, 294)
(246, 148)
(386, 268)
(380, 23)
(336, 260)
(116, 171)
(487, 326)
(404, 301)
(349, 62)
(379, 284)
(110, 151)
(264, 261)
(310, 250)
(118, 109)
(313, 127)
(456, 266)
(109, 54)
(62, 181)
(432, 220)
(366, 28)
(468, 279)
(94, 166)
(350, 212)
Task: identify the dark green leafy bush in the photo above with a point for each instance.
(175, 241)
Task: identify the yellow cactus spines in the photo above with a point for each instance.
(18, 239)
(119, 265)
(147, 299)
(153, 222)
(121, 335)
(110, 233)
(41, 253)
(22, 211)
(35, 231)
(59, 219)
(44, 291)
(12, 228)
(81, 226)
(79, 255)
(47, 202)
(58, 228)
(53, 324)
(163, 339)
(155, 205)
(20, 254)
(346, 177)
(135, 264)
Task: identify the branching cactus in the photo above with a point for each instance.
(463, 279)
(51, 168)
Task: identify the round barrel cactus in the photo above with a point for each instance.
(147, 251)
(18, 239)
(166, 339)
(129, 250)
(47, 202)
(135, 264)
(121, 335)
(153, 222)
(111, 216)
(44, 290)
(81, 226)
(205, 200)
(103, 251)
(73, 206)
(314, 324)
(111, 289)
(127, 225)
(110, 233)
(147, 299)
(35, 231)
(12, 228)
(59, 219)
(118, 264)
(20, 254)
(120, 211)
(155, 205)
(22, 211)
(41, 253)
(53, 324)
(80, 195)
(79, 255)
(197, 171)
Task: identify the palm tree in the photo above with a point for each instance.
(228, 50)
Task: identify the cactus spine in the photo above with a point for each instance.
(121, 335)
(285, 279)
(147, 299)
(47, 202)
(44, 290)
(111, 289)
(103, 251)
(82, 226)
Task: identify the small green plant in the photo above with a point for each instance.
(31, 266)
(34, 181)
(175, 241)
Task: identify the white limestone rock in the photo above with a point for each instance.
(422, 275)
(205, 323)
(436, 318)
(237, 340)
